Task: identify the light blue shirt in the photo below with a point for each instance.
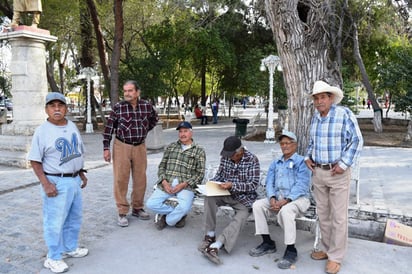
(335, 138)
(288, 179)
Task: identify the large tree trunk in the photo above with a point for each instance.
(303, 45)
(104, 63)
(117, 47)
(87, 58)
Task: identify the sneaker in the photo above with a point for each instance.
(160, 222)
(56, 266)
(319, 255)
(141, 214)
(212, 255)
(79, 252)
(122, 220)
(207, 241)
(288, 259)
(262, 249)
(181, 223)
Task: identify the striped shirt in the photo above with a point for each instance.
(335, 138)
(186, 165)
(129, 124)
(244, 177)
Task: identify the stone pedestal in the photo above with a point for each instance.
(29, 89)
(154, 140)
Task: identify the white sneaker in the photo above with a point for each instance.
(56, 266)
(122, 221)
(77, 253)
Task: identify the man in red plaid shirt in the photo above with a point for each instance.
(130, 121)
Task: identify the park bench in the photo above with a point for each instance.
(254, 121)
(309, 221)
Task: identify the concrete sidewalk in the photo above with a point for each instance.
(385, 190)
(141, 248)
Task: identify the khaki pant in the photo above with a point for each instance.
(230, 234)
(285, 217)
(332, 201)
(129, 159)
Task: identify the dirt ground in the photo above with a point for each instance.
(392, 136)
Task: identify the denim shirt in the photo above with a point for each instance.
(288, 179)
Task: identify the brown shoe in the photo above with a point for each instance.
(205, 243)
(141, 214)
(161, 222)
(332, 267)
(211, 254)
(319, 255)
(181, 223)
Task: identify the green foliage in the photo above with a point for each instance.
(396, 71)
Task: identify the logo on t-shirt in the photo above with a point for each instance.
(69, 149)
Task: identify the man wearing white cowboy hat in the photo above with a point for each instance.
(335, 143)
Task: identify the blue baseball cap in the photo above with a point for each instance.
(52, 96)
(184, 124)
(288, 134)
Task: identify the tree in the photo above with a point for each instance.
(300, 30)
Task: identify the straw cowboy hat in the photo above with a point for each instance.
(321, 87)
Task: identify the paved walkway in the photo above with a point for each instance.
(140, 248)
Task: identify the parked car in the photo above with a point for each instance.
(7, 105)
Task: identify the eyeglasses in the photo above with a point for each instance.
(285, 143)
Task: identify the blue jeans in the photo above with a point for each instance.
(62, 216)
(214, 117)
(173, 214)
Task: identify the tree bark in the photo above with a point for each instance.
(117, 47)
(101, 48)
(303, 45)
(377, 117)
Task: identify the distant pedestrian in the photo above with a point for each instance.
(57, 159)
(215, 110)
(363, 102)
(369, 104)
(335, 142)
(130, 121)
(199, 115)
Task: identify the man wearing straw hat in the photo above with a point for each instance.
(335, 143)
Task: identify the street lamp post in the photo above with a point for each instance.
(87, 73)
(271, 62)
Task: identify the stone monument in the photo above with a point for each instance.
(29, 88)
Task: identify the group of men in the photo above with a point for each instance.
(334, 144)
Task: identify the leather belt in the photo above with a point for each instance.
(74, 174)
(129, 143)
(325, 166)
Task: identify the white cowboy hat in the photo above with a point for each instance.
(321, 87)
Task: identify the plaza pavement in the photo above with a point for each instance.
(140, 248)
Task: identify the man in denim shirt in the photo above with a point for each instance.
(287, 190)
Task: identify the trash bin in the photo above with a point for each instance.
(241, 127)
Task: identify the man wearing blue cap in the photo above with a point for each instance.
(56, 157)
(182, 168)
(287, 191)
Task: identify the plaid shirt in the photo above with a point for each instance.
(129, 124)
(186, 165)
(335, 138)
(244, 177)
